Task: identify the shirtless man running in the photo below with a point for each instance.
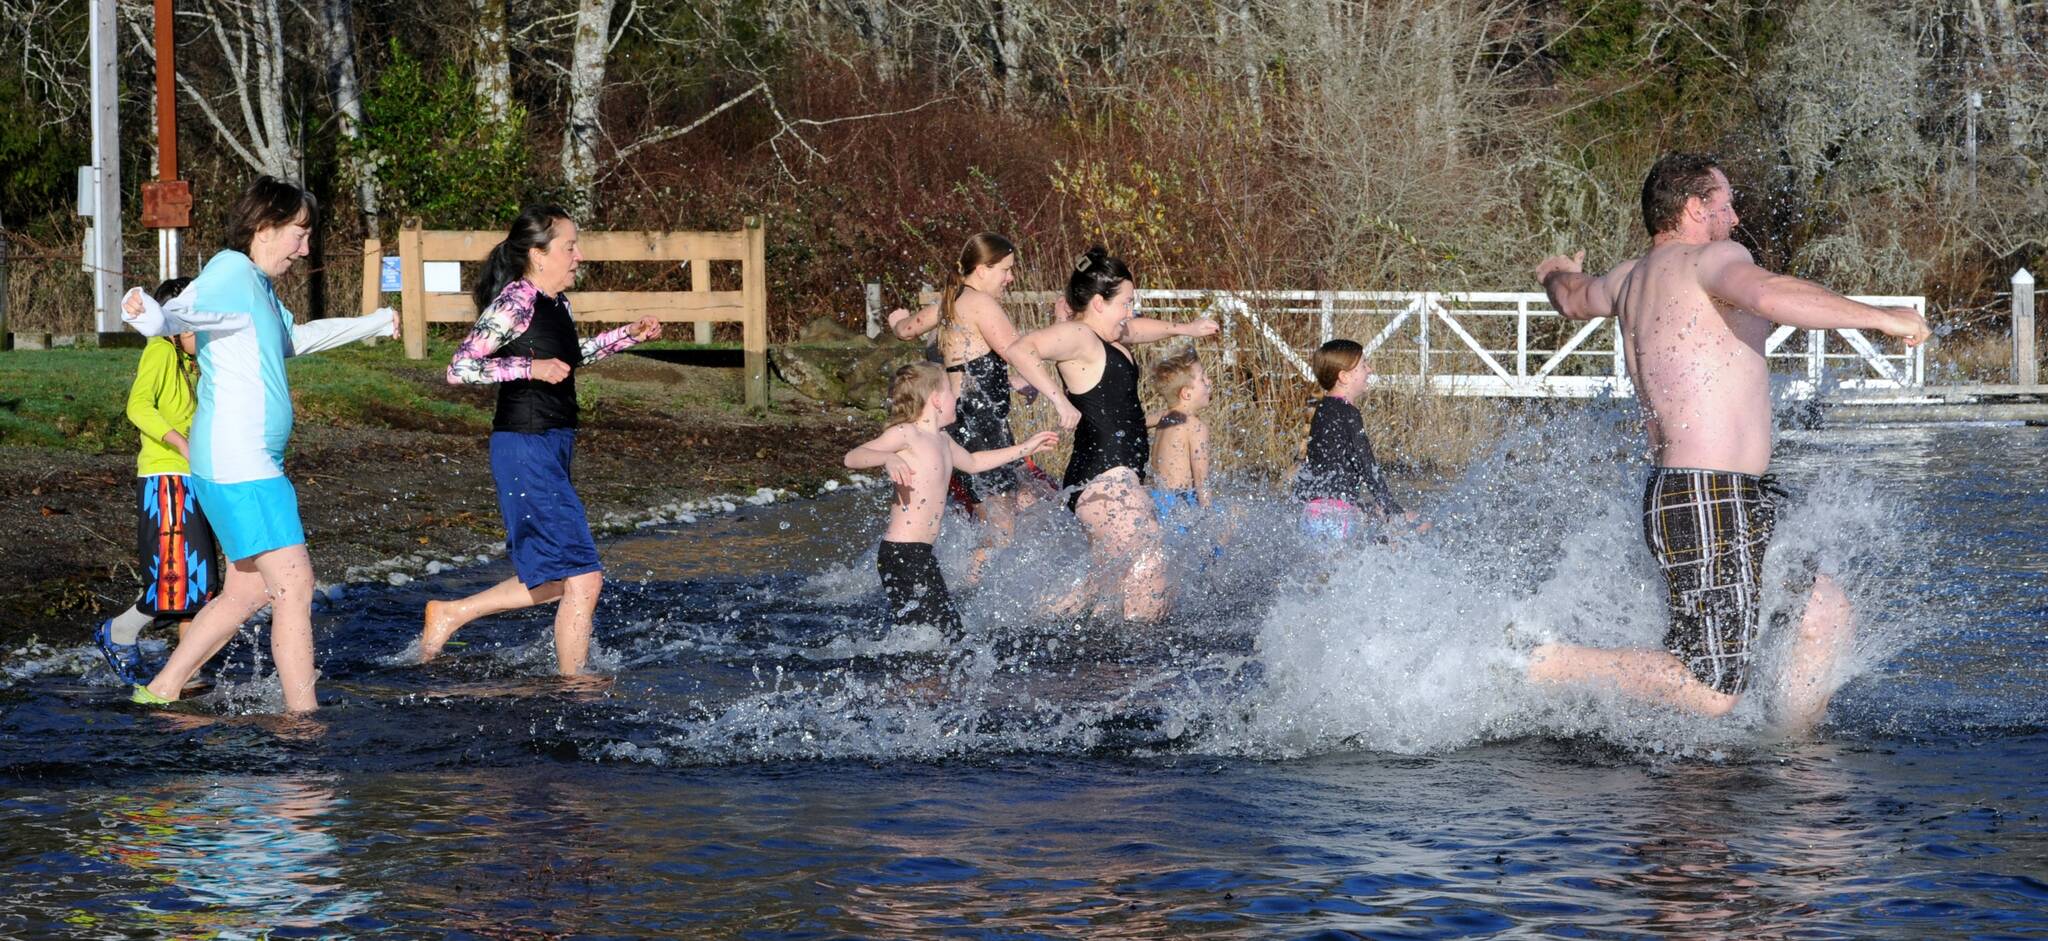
(1695, 312)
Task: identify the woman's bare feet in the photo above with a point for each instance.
(441, 624)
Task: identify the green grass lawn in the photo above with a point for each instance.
(75, 399)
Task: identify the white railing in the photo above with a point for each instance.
(1514, 344)
(1508, 344)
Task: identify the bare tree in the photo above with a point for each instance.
(46, 42)
(338, 41)
(582, 131)
(248, 36)
(493, 57)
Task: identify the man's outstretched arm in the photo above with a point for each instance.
(1576, 294)
(1728, 273)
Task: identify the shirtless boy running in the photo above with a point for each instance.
(920, 460)
(1695, 312)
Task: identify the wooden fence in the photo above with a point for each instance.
(699, 305)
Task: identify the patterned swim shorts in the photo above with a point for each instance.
(1708, 531)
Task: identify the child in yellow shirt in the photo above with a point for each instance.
(174, 545)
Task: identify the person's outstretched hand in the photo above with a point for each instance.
(647, 328)
(1908, 325)
(1041, 441)
(1559, 264)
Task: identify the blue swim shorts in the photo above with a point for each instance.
(546, 530)
(251, 517)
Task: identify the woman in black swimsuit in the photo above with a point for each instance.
(1106, 474)
(974, 339)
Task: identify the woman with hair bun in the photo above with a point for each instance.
(1106, 473)
(525, 342)
(240, 428)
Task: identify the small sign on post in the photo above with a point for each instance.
(167, 204)
(388, 279)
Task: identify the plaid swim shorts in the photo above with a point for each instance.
(1708, 531)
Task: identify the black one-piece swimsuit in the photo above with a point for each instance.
(1112, 430)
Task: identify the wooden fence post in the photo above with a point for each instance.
(2026, 366)
(6, 338)
(700, 282)
(754, 284)
(373, 272)
(412, 273)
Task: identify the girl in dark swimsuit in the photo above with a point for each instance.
(1106, 473)
(974, 338)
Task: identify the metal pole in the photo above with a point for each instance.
(106, 164)
(2026, 366)
(166, 131)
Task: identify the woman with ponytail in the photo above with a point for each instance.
(525, 342)
(1106, 473)
(974, 339)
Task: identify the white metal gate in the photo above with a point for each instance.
(1514, 344)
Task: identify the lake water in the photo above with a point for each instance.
(1320, 745)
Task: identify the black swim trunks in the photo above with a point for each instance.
(915, 589)
(1708, 531)
(982, 422)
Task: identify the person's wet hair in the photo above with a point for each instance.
(507, 261)
(910, 388)
(1172, 374)
(1332, 358)
(269, 203)
(1096, 274)
(986, 248)
(1674, 179)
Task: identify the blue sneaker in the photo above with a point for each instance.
(124, 659)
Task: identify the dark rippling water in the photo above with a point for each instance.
(1320, 746)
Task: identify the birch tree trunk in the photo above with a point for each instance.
(249, 35)
(493, 58)
(337, 23)
(586, 88)
(1011, 33)
(279, 151)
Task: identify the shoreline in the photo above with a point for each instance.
(380, 503)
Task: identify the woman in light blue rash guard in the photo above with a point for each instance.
(239, 433)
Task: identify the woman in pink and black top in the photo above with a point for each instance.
(525, 342)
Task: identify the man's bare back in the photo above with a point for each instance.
(1697, 364)
(1695, 312)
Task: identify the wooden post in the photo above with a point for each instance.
(2026, 365)
(373, 275)
(754, 285)
(700, 282)
(6, 339)
(412, 271)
